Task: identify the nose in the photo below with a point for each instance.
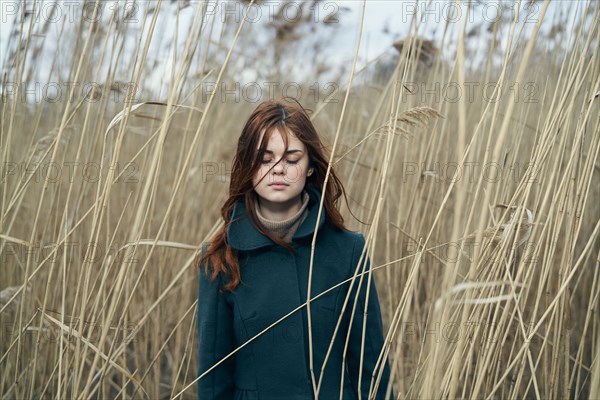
(278, 168)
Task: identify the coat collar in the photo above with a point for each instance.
(242, 235)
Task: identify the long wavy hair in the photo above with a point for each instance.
(288, 116)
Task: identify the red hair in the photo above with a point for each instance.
(287, 116)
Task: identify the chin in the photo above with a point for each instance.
(279, 196)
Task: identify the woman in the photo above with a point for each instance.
(256, 271)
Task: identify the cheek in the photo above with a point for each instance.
(304, 168)
(298, 171)
(260, 172)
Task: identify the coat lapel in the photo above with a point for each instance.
(242, 235)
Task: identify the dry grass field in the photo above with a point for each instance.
(478, 189)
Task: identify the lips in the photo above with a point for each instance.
(278, 186)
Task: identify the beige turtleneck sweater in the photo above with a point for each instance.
(287, 228)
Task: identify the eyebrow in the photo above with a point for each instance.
(287, 152)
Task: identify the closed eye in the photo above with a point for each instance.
(288, 161)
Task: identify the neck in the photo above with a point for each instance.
(280, 211)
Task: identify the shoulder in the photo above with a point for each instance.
(344, 243)
(347, 237)
(205, 272)
(203, 249)
(358, 244)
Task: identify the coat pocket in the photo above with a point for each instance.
(251, 315)
(328, 301)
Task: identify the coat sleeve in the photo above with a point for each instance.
(215, 339)
(374, 338)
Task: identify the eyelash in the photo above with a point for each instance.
(288, 161)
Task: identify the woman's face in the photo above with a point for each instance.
(281, 187)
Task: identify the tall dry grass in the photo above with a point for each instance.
(483, 214)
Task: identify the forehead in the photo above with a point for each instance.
(276, 141)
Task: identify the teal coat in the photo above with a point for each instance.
(274, 281)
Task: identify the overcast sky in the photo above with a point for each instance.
(396, 16)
